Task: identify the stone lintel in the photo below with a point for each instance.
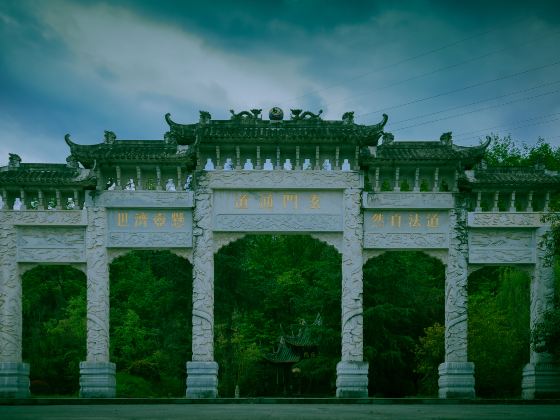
(456, 380)
(352, 379)
(540, 380)
(14, 380)
(202, 379)
(97, 380)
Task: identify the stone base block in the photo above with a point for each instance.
(540, 380)
(352, 379)
(97, 380)
(14, 380)
(202, 379)
(456, 380)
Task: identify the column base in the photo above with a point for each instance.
(540, 380)
(97, 380)
(456, 380)
(14, 380)
(352, 379)
(202, 379)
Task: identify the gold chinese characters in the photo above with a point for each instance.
(142, 219)
(269, 201)
(398, 219)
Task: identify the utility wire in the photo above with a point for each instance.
(405, 60)
(475, 103)
(539, 117)
(479, 110)
(486, 82)
(461, 63)
(518, 127)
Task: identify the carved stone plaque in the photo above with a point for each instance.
(149, 228)
(46, 244)
(502, 246)
(420, 229)
(278, 211)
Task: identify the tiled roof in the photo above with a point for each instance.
(46, 174)
(127, 150)
(511, 176)
(426, 151)
(286, 131)
(283, 354)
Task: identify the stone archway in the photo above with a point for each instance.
(498, 335)
(265, 286)
(150, 319)
(54, 327)
(403, 296)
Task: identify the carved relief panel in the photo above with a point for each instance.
(502, 246)
(50, 244)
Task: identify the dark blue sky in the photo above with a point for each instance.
(474, 68)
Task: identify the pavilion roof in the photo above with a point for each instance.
(283, 354)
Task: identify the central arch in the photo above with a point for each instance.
(264, 284)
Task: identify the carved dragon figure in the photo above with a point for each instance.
(446, 138)
(245, 115)
(348, 117)
(297, 115)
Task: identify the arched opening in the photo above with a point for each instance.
(151, 305)
(498, 334)
(403, 323)
(273, 286)
(54, 328)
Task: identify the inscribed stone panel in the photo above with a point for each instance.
(396, 229)
(149, 228)
(277, 211)
(501, 246)
(47, 244)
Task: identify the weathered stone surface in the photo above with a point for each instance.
(456, 374)
(278, 223)
(501, 246)
(14, 380)
(352, 379)
(97, 380)
(501, 219)
(352, 278)
(408, 200)
(541, 376)
(405, 240)
(46, 244)
(456, 380)
(202, 379)
(282, 179)
(142, 199)
(97, 287)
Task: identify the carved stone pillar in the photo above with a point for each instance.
(14, 375)
(541, 376)
(352, 371)
(97, 373)
(202, 371)
(456, 374)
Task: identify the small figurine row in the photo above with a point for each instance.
(34, 204)
(268, 166)
(131, 186)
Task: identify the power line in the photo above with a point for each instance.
(520, 126)
(539, 117)
(497, 79)
(475, 102)
(480, 109)
(405, 60)
(461, 63)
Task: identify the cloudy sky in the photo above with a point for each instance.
(81, 67)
